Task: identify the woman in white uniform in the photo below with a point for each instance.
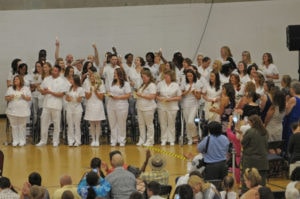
(74, 98)
(117, 107)
(18, 110)
(212, 94)
(145, 108)
(94, 113)
(168, 95)
(191, 93)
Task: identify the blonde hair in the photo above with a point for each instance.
(195, 180)
(219, 66)
(98, 80)
(253, 176)
(171, 74)
(227, 51)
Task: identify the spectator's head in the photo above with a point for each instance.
(117, 160)
(37, 192)
(65, 180)
(136, 195)
(215, 128)
(286, 81)
(197, 184)
(4, 183)
(134, 170)
(153, 188)
(92, 179)
(112, 153)
(196, 173)
(228, 183)
(295, 88)
(157, 162)
(67, 195)
(35, 179)
(183, 191)
(265, 193)
(95, 163)
(295, 176)
(252, 177)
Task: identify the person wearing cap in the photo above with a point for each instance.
(6, 189)
(158, 173)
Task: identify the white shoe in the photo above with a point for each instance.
(140, 143)
(163, 143)
(113, 144)
(172, 144)
(97, 143)
(148, 144)
(122, 144)
(76, 144)
(55, 144)
(93, 143)
(15, 144)
(40, 144)
(22, 143)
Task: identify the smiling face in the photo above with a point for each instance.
(145, 78)
(137, 61)
(190, 77)
(17, 81)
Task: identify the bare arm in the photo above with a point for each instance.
(97, 59)
(269, 115)
(290, 105)
(56, 55)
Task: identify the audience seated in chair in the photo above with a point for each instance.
(6, 189)
(123, 182)
(33, 179)
(65, 184)
(183, 191)
(208, 190)
(158, 173)
(153, 190)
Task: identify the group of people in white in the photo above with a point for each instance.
(123, 86)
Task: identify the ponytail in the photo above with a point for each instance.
(91, 193)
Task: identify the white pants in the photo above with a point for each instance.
(74, 131)
(95, 130)
(189, 114)
(18, 128)
(117, 122)
(145, 119)
(167, 121)
(47, 116)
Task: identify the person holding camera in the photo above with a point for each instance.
(214, 148)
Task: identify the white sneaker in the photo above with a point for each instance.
(15, 144)
(97, 143)
(122, 144)
(140, 143)
(93, 143)
(40, 144)
(148, 144)
(22, 143)
(76, 144)
(172, 143)
(163, 143)
(55, 144)
(113, 144)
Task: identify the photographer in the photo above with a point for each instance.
(214, 148)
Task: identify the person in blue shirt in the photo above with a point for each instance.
(92, 186)
(214, 148)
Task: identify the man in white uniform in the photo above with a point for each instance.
(109, 70)
(53, 88)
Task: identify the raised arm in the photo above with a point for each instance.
(96, 54)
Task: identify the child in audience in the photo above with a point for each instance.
(228, 184)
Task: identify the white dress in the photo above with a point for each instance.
(18, 106)
(274, 127)
(94, 106)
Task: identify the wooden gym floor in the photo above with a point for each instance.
(52, 162)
